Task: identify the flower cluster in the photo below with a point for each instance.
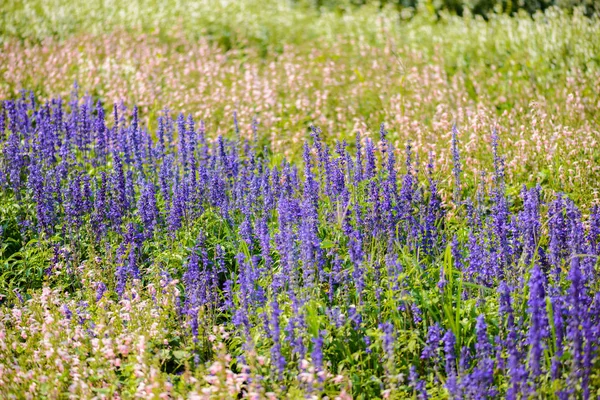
(179, 264)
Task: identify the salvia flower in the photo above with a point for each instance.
(538, 328)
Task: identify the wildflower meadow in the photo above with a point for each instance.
(299, 199)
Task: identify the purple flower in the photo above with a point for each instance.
(356, 256)
(355, 317)
(148, 209)
(558, 232)
(273, 326)
(370, 160)
(73, 202)
(475, 258)
(177, 209)
(577, 314)
(456, 165)
(99, 214)
(317, 351)
(165, 178)
(14, 162)
(100, 290)
(594, 231)
(434, 339)
(119, 203)
(451, 379)
(416, 313)
(183, 148)
(264, 239)
(557, 316)
(358, 165)
(481, 380)
(42, 197)
(388, 339)
(538, 327)
(529, 221)
(296, 329)
(457, 254)
(418, 385)
(66, 312)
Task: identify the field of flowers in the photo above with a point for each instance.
(221, 200)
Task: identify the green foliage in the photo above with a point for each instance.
(268, 24)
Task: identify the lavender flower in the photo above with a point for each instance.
(434, 339)
(451, 378)
(482, 377)
(388, 339)
(538, 329)
(275, 332)
(456, 169)
(417, 384)
(317, 351)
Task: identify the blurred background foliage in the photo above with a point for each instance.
(459, 7)
(266, 22)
